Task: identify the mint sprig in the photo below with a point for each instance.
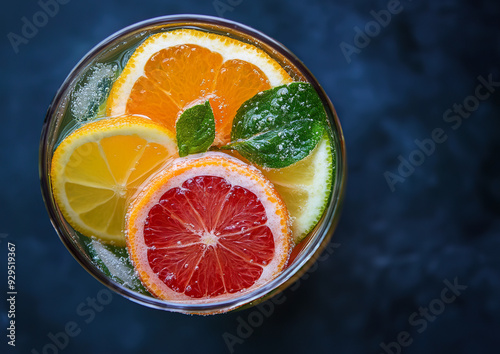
(280, 126)
(195, 129)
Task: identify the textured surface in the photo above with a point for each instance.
(397, 248)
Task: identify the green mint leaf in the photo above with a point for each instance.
(195, 129)
(280, 126)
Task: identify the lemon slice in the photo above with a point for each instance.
(305, 187)
(97, 168)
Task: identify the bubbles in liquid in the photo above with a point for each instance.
(115, 266)
(118, 266)
(92, 92)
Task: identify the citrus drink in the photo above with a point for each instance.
(185, 158)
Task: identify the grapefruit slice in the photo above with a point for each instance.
(208, 228)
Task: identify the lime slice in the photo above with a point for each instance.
(305, 187)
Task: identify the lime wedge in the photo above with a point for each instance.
(305, 187)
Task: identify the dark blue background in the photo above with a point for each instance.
(396, 247)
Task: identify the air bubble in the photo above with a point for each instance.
(282, 91)
(87, 98)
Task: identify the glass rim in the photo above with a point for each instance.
(328, 221)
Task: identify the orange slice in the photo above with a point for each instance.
(99, 167)
(208, 228)
(174, 70)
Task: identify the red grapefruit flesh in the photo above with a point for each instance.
(208, 228)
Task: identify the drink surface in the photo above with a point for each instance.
(191, 163)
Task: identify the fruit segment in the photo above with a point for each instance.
(236, 82)
(208, 227)
(305, 187)
(99, 167)
(173, 71)
(204, 236)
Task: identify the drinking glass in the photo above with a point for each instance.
(116, 49)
